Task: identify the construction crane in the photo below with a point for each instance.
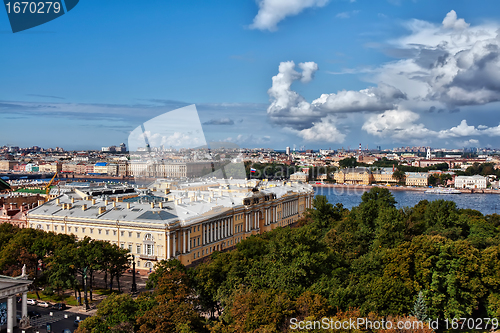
(47, 188)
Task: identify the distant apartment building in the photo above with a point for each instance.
(50, 167)
(300, 176)
(471, 182)
(384, 175)
(416, 179)
(361, 176)
(7, 165)
(364, 176)
(169, 170)
(101, 168)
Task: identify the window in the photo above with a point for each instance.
(122, 233)
(83, 230)
(122, 246)
(130, 233)
(194, 256)
(99, 231)
(149, 249)
(138, 249)
(91, 230)
(48, 227)
(198, 228)
(55, 228)
(114, 232)
(202, 252)
(198, 241)
(107, 232)
(148, 237)
(138, 235)
(138, 264)
(76, 229)
(69, 229)
(130, 248)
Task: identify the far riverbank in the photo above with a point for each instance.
(400, 188)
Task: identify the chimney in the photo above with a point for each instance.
(58, 201)
(193, 198)
(116, 199)
(152, 205)
(93, 201)
(167, 191)
(106, 202)
(84, 207)
(72, 200)
(102, 210)
(114, 204)
(210, 199)
(161, 205)
(128, 205)
(40, 202)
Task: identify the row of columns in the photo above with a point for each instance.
(217, 230)
(290, 208)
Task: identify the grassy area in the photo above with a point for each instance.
(30, 190)
(104, 292)
(68, 299)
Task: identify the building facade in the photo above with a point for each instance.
(183, 223)
(471, 182)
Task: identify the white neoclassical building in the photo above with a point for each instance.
(9, 288)
(472, 182)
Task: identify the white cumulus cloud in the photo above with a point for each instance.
(271, 12)
(323, 131)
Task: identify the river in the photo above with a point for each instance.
(350, 197)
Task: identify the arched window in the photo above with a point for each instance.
(148, 264)
(39, 226)
(148, 237)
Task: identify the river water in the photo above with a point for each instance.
(349, 197)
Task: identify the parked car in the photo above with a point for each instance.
(43, 304)
(77, 322)
(34, 314)
(66, 330)
(31, 301)
(59, 306)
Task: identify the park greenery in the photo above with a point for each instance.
(432, 260)
(59, 262)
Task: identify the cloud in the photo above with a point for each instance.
(323, 131)
(459, 131)
(451, 21)
(346, 15)
(287, 107)
(221, 121)
(453, 63)
(397, 124)
(378, 98)
(271, 12)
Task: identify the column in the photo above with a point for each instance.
(203, 234)
(11, 314)
(189, 240)
(184, 241)
(231, 227)
(168, 245)
(246, 222)
(24, 305)
(175, 243)
(212, 225)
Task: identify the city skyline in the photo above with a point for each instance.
(270, 74)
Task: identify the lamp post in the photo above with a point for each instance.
(134, 285)
(86, 300)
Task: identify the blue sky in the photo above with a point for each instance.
(386, 73)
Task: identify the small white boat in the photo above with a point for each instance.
(443, 191)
